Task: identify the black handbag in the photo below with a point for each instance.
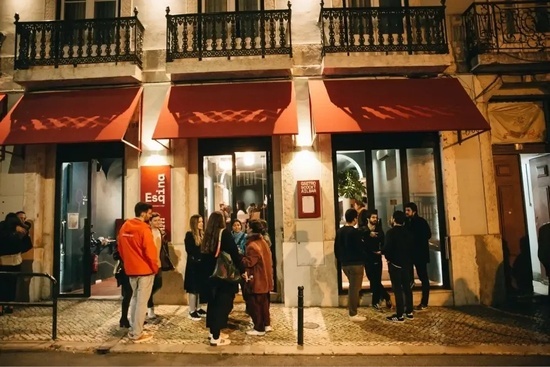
(225, 268)
(165, 262)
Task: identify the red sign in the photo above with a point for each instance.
(309, 199)
(155, 190)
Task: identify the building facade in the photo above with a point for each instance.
(191, 104)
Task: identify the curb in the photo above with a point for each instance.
(113, 346)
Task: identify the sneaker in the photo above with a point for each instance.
(151, 313)
(142, 338)
(357, 318)
(421, 307)
(409, 315)
(395, 318)
(201, 312)
(376, 306)
(222, 336)
(255, 332)
(268, 329)
(194, 316)
(219, 342)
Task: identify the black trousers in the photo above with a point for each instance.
(8, 283)
(127, 292)
(401, 285)
(157, 284)
(218, 309)
(422, 273)
(374, 274)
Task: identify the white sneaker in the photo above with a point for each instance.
(357, 318)
(255, 332)
(268, 329)
(151, 313)
(219, 342)
(222, 335)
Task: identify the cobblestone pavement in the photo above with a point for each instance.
(96, 322)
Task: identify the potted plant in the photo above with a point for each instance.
(350, 185)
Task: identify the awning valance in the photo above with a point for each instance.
(392, 105)
(228, 110)
(81, 116)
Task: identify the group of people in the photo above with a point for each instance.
(15, 241)
(359, 246)
(249, 251)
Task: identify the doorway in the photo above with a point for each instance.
(89, 200)
(237, 177)
(523, 193)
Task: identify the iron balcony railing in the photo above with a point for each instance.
(242, 33)
(84, 41)
(411, 29)
(511, 26)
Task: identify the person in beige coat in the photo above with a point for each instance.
(259, 275)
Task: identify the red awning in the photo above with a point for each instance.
(82, 116)
(392, 105)
(228, 110)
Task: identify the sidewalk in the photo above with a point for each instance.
(92, 325)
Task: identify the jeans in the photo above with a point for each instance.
(141, 291)
(355, 277)
(422, 272)
(401, 285)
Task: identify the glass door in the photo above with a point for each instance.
(74, 233)
(236, 179)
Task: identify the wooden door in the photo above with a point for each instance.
(539, 169)
(515, 241)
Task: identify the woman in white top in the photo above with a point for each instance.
(158, 236)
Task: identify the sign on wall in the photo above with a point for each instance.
(309, 199)
(155, 190)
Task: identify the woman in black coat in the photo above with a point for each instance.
(195, 277)
(222, 293)
(14, 240)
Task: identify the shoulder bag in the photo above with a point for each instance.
(225, 268)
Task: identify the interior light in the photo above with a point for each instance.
(249, 159)
(225, 164)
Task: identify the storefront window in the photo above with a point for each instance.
(395, 169)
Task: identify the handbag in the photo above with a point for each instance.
(165, 262)
(225, 268)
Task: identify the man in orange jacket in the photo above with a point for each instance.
(139, 255)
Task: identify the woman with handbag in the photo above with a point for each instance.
(259, 274)
(195, 279)
(220, 251)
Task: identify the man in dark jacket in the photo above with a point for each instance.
(420, 229)
(348, 249)
(544, 248)
(397, 249)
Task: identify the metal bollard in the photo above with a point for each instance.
(301, 315)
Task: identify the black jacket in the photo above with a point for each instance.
(12, 242)
(398, 246)
(229, 246)
(371, 244)
(348, 246)
(420, 229)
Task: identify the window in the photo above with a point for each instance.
(395, 169)
(87, 9)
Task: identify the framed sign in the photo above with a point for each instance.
(309, 199)
(156, 190)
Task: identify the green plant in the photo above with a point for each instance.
(350, 185)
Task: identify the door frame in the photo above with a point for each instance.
(400, 141)
(227, 146)
(86, 152)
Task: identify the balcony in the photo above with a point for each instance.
(212, 43)
(403, 40)
(510, 37)
(50, 51)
